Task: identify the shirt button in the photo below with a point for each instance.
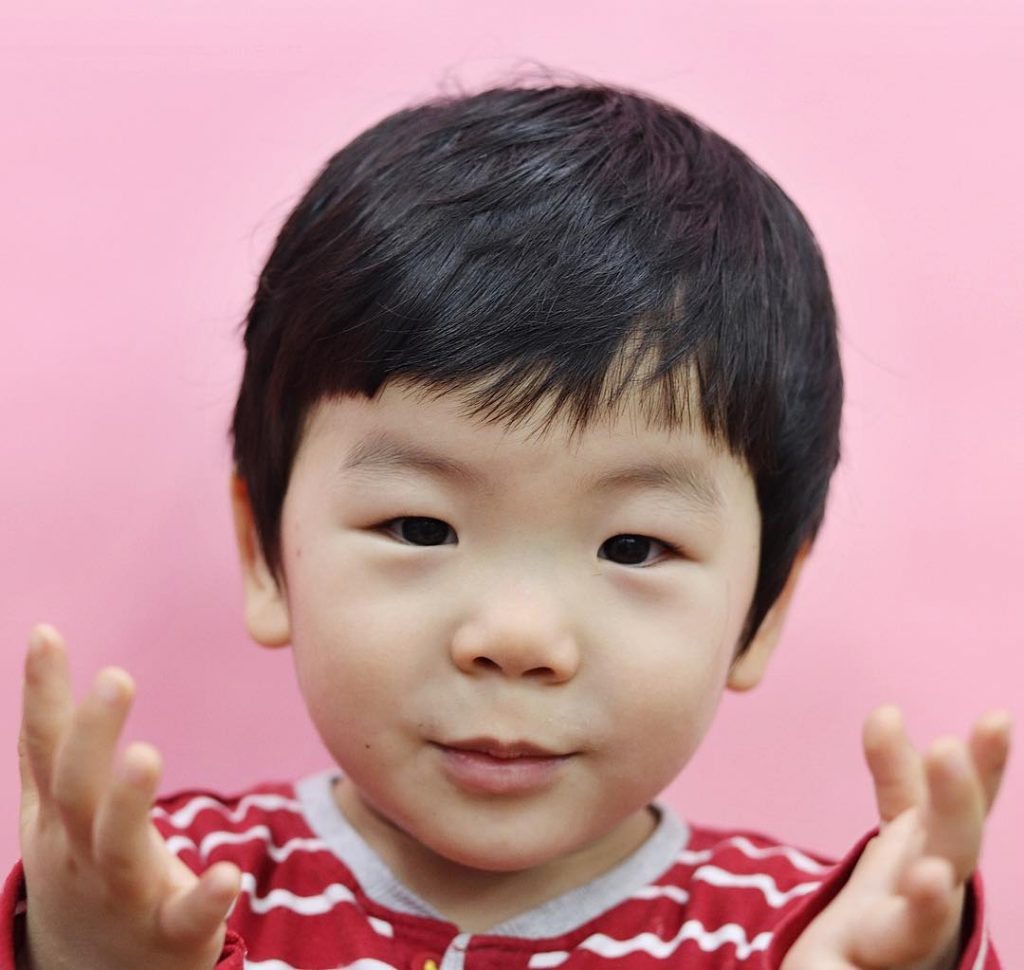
(424, 961)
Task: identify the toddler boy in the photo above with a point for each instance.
(540, 406)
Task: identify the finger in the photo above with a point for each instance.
(122, 837)
(84, 758)
(956, 806)
(894, 764)
(990, 747)
(192, 917)
(29, 792)
(885, 857)
(914, 925)
(46, 708)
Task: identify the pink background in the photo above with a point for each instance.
(150, 151)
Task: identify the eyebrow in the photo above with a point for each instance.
(379, 452)
(382, 453)
(692, 481)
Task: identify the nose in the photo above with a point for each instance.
(520, 634)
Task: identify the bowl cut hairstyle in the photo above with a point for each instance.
(552, 249)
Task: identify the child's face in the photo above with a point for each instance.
(454, 587)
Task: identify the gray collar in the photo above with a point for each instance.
(556, 917)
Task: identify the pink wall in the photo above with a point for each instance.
(150, 152)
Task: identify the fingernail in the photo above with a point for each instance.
(1000, 720)
(957, 763)
(36, 640)
(109, 687)
(134, 772)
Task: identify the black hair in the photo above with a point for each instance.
(554, 244)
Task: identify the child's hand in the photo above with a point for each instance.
(103, 891)
(902, 907)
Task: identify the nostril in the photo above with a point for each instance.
(539, 672)
(485, 663)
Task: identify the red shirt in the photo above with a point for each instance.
(315, 896)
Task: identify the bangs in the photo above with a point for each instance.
(516, 266)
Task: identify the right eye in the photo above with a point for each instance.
(418, 530)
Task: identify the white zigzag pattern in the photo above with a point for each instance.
(755, 880)
(796, 858)
(553, 958)
(303, 905)
(674, 893)
(383, 927)
(658, 948)
(186, 814)
(983, 949)
(364, 963)
(323, 902)
(178, 843)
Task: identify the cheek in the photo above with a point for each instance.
(653, 742)
(682, 644)
(669, 690)
(359, 650)
(676, 701)
(659, 728)
(339, 670)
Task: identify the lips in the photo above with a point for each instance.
(488, 766)
(505, 750)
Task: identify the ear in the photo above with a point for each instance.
(748, 669)
(266, 606)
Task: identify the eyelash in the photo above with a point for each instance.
(391, 529)
(670, 549)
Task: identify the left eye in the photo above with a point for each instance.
(634, 550)
(419, 530)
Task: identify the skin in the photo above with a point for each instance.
(523, 624)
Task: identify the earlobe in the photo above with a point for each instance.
(266, 607)
(748, 669)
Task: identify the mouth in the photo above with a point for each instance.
(488, 766)
(502, 750)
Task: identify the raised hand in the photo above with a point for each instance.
(902, 907)
(103, 891)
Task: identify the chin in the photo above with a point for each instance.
(496, 854)
(497, 860)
